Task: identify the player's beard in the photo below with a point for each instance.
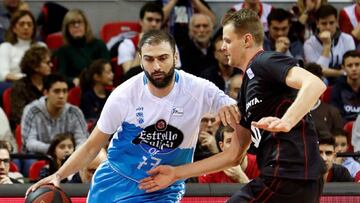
(166, 79)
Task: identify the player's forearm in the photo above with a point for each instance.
(221, 161)
(309, 93)
(84, 155)
(168, 8)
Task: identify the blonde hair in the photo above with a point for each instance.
(70, 16)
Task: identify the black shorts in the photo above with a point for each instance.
(279, 190)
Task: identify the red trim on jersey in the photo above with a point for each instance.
(305, 149)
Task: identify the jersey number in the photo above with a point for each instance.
(154, 162)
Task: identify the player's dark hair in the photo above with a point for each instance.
(155, 37)
(314, 68)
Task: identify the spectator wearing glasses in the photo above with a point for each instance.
(80, 47)
(5, 165)
(35, 65)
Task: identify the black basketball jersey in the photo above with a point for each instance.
(264, 93)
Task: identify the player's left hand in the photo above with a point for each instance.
(272, 124)
(229, 115)
(161, 177)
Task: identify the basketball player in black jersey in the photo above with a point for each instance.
(275, 98)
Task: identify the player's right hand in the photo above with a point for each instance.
(161, 177)
(53, 179)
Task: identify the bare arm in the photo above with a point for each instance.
(167, 8)
(310, 89)
(166, 175)
(80, 158)
(201, 8)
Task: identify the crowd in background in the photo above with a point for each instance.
(52, 97)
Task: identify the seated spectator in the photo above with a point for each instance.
(334, 172)
(349, 18)
(177, 14)
(355, 135)
(242, 173)
(7, 10)
(304, 12)
(5, 165)
(19, 38)
(5, 132)
(51, 115)
(85, 174)
(328, 46)
(80, 47)
(151, 18)
(61, 147)
(234, 86)
(196, 53)
(345, 94)
(262, 9)
(206, 145)
(220, 72)
(341, 146)
(326, 117)
(93, 83)
(35, 65)
(277, 38)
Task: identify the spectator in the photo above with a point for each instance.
(341, 146)
(326, 117)
(262, 9)
(20, 36)
(196, 53)
(80, 47)
(220, 72)
(355, 135)
(234, 86)
(151, 18)
(85, 174)
(5, 132)
(328, 46)
(277, 38)
(241, 173)
(345, 94)
(334, 172)
(349, 18)
(50, 115)
(35, 65)
(6, 11)
(5, 165)
(177, 14)
(304, 11)
(206, 145)
(93, 83)
(61, 147)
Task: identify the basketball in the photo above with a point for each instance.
(47, 194)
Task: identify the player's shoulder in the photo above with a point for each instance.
(190, 82)
(130, 86)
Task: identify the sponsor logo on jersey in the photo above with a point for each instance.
(177, 111)
(161, 136)
(139, 112)
(252, 102)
